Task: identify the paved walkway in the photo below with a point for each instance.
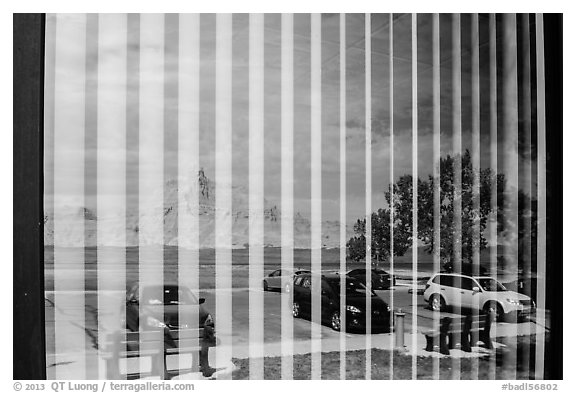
(67, 364)
(386, 342)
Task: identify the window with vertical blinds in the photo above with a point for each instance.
(297, 196)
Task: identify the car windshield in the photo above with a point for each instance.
(171, 295)
(353, 287)
(491, 285)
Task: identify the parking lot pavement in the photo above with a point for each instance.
(85, 323)
(399, 298)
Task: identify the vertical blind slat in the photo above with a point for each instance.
(287, 119)
(368, 187)
(256, 193)
(391, 163)
(111, 172)
(475, 140)
(223, 202)
(151, 164)
(541, 245)
(510, 158)
(436, 158)
(69, 155)
(343, 183)
(493, 220)
(316, 185)
(188, 163)
(526, 173)
(475, 158)
(48, 152)
(414, 191)
(457, 153)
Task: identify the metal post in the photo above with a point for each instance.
(399, 328)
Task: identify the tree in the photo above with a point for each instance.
(380, 237)
(473, 217)
(357, 248)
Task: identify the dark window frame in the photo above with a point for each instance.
(29, 339)
(29, 342)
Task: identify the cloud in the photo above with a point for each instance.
(69, 94)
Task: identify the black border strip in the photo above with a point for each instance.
(29, 342)
(553, 27)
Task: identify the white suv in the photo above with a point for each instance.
(481, 293)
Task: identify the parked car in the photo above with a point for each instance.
(274, 280)
(380, 278)
(159, 306)
(354, 300)
(477, 293)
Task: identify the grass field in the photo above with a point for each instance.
(483, 368)
(206, 262)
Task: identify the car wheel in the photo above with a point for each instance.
(266, 286)
(335, 321)
(296, 310)
(437, 303)
(495, 308)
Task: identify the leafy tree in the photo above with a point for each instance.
(380, 237)
(357, 248)
(472, 216)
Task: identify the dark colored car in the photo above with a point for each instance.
(354, 300)
(160, 305)
(380, 278)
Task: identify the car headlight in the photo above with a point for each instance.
(353, 309)
(515, 302)
(153, 322)
(209, 320)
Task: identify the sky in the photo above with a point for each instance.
(73, 80)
